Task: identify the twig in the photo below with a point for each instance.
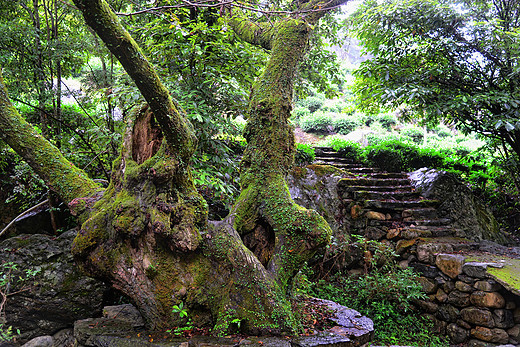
(23, 214)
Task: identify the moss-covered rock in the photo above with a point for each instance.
(56, 295)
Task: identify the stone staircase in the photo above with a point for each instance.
(472, 285)
(387, 200)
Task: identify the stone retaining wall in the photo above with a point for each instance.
(466, 302)
(473, 295)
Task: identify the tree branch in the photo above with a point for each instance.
(177, 130)
(46, 160)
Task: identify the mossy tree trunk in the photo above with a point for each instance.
(282, 234)
(148, 235)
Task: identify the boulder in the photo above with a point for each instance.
(471, 218)
(315, 187)
(53, 292)
(490, 335)
(456, 333)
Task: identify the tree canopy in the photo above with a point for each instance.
(443, 60)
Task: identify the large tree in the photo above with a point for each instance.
(148, 235)
(456, 61)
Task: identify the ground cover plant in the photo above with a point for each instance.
(385, 293)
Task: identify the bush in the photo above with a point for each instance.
(377, 138)
(442, 131)
(384, 293)
(312, 103)
(345, 124)
(304, 154)
(299, 113)
(347, 148)
(317, 122)
(415, 133)
(387, 120)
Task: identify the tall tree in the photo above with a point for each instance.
(148, 234)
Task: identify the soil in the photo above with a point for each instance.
(306, 138)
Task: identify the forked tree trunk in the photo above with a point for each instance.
(147, 234)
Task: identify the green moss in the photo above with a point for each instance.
(324, 170)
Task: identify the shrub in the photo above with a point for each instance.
(384, 293)
(312, 103)
(387, 120)
(347, 148)
(415, 133)
(317, 122)
(442, 131)
(345, 124)
(304, 154)
(299, 113)
(377, 138)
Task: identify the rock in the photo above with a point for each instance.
(64, 338)
(57, 295)
(373, 233)
(516, 315)
(356, 211)
(441, 296)
(448, 313)
(510, 305)
(479, 343)
(40, 341)
(427, 306)
(503, 319)
(477, 269)
(464, 287)
(393, 233)
(463, 324)
(427, 252)
(428, 285)
(450, 264)
(514, 332)
(456, 334)
(471, 218)
(459, 299)
(87, 331)
(490, 335)
(487, 299)
(375, 215)
(487, 285)
(477, 316)
(315, 187)
(126, 312)
(466, 279)
(424, 269)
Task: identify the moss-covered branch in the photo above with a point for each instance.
(59, 174)
(258, 34)
(178, 131)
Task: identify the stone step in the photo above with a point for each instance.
(360, 170)
(378, 195)
(397, 205)
(335, 160)
(365, 181)
(396, 222)
(324, 148)
(408, 188)
(410, 233)
(402, 175)
(424, 213)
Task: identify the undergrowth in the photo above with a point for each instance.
(383, 292)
